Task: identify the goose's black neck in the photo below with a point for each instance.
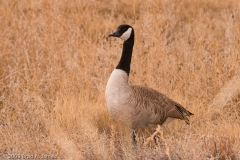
(125, 61)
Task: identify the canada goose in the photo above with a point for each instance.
(137, 106)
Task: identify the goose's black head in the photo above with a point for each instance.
(124, 32)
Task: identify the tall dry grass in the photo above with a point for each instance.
(56, 58)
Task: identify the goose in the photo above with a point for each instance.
(137, 106)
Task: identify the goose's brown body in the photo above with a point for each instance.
(139, 106)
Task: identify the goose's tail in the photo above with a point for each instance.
(184, 113)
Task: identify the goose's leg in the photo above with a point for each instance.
(134, 141)
(155, 139)
(154, 130)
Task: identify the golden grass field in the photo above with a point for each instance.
(55, 60)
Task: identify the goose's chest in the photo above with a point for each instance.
(117, 92)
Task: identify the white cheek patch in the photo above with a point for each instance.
(126, 34)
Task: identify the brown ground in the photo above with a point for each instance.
(55, 60)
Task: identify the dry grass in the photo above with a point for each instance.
(56, 58)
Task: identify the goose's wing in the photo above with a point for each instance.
(158, 106)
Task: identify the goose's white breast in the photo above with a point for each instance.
(117, 94)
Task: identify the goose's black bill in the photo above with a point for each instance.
(115, 34)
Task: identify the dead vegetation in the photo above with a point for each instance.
(56, 58)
